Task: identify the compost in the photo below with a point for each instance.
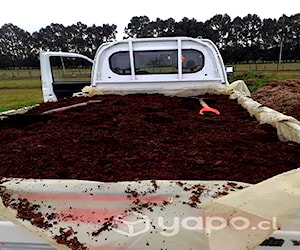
(138, 137)
(283, 96)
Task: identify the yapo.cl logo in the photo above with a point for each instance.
(140, 225)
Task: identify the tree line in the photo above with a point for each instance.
(19, 48)
(241, 39)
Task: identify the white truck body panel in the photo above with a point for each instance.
(13, 237)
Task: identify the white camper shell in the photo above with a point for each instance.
(146, 64)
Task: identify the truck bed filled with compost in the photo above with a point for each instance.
(140, 137)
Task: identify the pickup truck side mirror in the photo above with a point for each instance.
(229, 70)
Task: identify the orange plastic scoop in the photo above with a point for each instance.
(206, 108)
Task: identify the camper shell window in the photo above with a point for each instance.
(157, 62)
(120, 63)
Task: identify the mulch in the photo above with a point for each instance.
(283, 96)
(139, 137)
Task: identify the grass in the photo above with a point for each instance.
(19, 93)
(254, 80)
(19, 88)
(16, 98)
(257, 79)
(20, 84)
(267, 67)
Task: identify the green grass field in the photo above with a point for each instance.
(19, 93)
(269, 67)
(16, 98)
(19, 88)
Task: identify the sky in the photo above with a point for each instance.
(31, 15)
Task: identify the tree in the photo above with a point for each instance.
(251, 35)
(96, 35)
(162, 28)
(77, 38)
(289, 36)
(295, 37)
(241, 39)
(218, 30)
(190, 27)
(138, 27)
(76, 35)
(245, 40)
(15, 46)
(269, 46)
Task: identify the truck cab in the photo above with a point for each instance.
(143, 64)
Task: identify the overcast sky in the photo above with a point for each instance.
(31, 15)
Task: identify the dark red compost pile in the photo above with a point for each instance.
(143, 137)
(283, 96)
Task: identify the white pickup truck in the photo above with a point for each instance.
(152, 65)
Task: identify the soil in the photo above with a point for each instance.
(283, 96)
(140, 137)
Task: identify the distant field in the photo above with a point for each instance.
(22, 74)
(19, 88)
(268, 71)
(256, 75)
(267, 67)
